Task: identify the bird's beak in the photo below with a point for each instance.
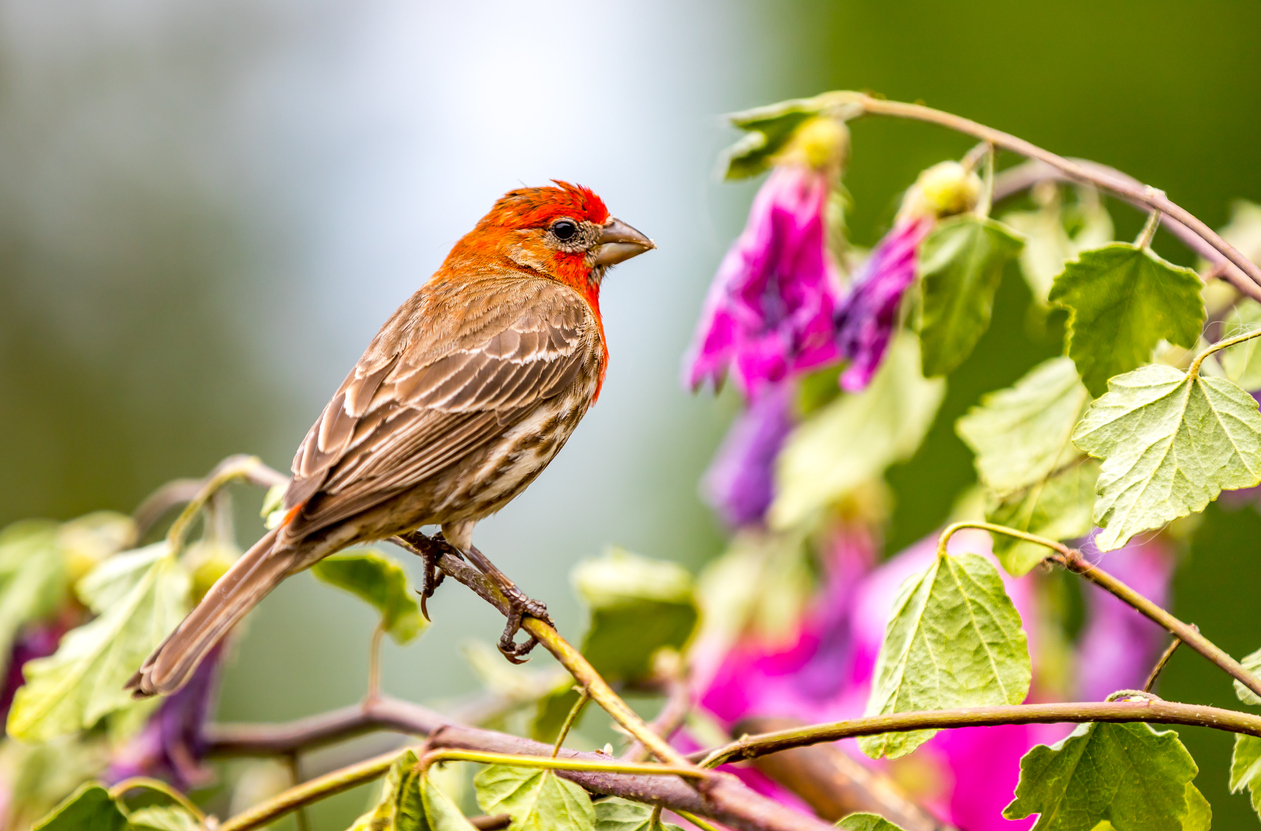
(618, 242)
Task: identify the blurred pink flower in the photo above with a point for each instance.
(868, 315)
(823, 670)
(768, 315)
(740, 481)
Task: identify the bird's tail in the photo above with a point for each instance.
(240, 589)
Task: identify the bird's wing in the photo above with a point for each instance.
(453, 369)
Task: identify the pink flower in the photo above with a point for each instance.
(768, 315)
(867, 317)
(740, 482)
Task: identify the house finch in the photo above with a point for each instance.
(459, 402)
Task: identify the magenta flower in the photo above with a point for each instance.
(867, 317)
(768, 315)
(740, 482)
(172, 744)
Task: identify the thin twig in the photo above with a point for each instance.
(1074, 562)
(1153, 711)
(570, 718)
(1146, 195)
(673, 713)
(1160, 664)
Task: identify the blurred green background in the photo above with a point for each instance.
(206, 210)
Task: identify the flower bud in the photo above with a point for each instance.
(210, 561)
(945, 189)
(821, 143)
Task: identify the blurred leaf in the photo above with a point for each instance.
(273, 510)
(140, 597)
(1244, 228)
(400, 807)
(87, 540)
(855, 438)
(1023, 434)
(90, 808)
(1058, 508)
(622, 815)
(376, 578)
(1127, 774)
(165, 818)
(537, 800)
(1054, 234)
(960, 265)
(34, 581)
(1199, 812)
(1252, 663)
(867, 822)
(1242, 362)
(768, 130)
(1245, 768)
(638, 607)
(953, 640)
(1170, 443)
(1122, 301)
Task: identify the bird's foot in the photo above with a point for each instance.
(430, 550)
(519, 608)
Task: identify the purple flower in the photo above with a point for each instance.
(172, 744)
(868, 315)
(1118, 645)
(768, 315)
(740, 482)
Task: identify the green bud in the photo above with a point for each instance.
(945, 189)
(86, 541)
(209, 561)
(821, 143)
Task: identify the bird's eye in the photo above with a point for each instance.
(565, 230)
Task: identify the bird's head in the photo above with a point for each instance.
(563, 232)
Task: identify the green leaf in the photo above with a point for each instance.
(768, 129)
(867, 822)
(1252, 663)
(1054, 235)
(953, 640)
(1023, 434)
(401, 806)
(140, 596)
(537, 800)
(90, 808)
(1127, 774)
(1199, 813)
(33, 579)
(376, 578)
(638, 607)
(1122, 301)
(1170, 443)
(1242, 362)
(273, 510)
(441, 812)
(165, 818)
(622, 815)
(1245, 768)
(960, 265)
(855, 438)
(1060, 508)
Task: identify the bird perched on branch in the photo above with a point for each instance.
(468, 391)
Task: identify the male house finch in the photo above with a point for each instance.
(459, 402)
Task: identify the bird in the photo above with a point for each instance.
(461, 400)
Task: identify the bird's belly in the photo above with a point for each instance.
(488, 481)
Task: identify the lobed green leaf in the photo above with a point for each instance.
(867, 822)
(140, 596)
(1242, 362)
(622, 815)
(411, 802)
(34, 580)
(1170, 443)
(1245, 768)
(1060, 508)
(1128, 775)
(1054, 234)
(1252, 663)
(163, 818)
(1122, 301)
(960, 266)
(855, 438)
(537, 800)
(953, 640)
(376, 578)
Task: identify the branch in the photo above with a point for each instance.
(1188, 634)
(1151, 710)
(1124, 187)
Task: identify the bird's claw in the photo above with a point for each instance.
(519, 608)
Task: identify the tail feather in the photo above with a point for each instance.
(240, 589)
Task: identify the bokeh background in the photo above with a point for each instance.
(206, 211)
